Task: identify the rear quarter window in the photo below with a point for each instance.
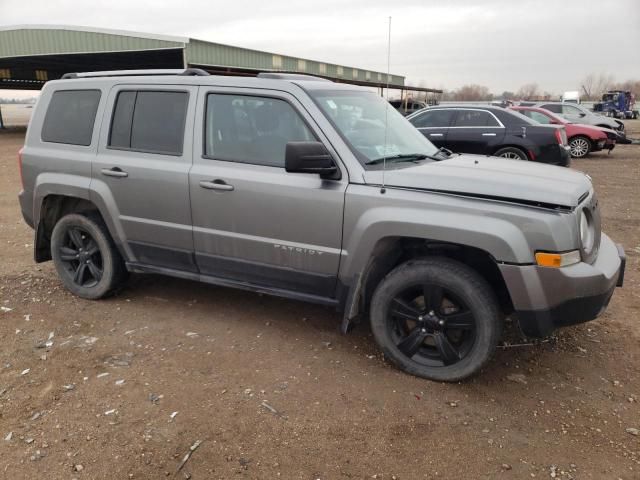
(70, 117)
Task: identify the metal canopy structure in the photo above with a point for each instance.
(30, 55)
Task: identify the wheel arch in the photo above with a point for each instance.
(510, 145)
(52, 208)
(390, 252)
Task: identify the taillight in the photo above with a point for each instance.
(20, 167)
(558, 136)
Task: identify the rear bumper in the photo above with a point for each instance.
(26, 208)
(548, 298)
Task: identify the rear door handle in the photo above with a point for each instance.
(216, 185)
(114, 172)
(488, 134)
(435, 134)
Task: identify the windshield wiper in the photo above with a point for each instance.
(404, 157)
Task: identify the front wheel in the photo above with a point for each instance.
(512, 153)
(436, 318)
(85, 257)
(580, 146)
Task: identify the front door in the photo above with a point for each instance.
(252, 221)
(475, 131)
(141, 172)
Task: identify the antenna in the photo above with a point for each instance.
(386, 109)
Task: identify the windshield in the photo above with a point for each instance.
(359, 117)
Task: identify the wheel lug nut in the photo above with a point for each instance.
(420, 318)
(432, 313)
(423, 330)
(441, 322)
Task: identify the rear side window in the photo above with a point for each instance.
(553, 107)
(475, 118)
(433, 119)
(70, 117)
(536, 116)
(149, 121)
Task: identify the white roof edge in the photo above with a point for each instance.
(108, 31)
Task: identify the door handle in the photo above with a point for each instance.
(488, 134)
(114, 172)
(435, 134)
(216, 185)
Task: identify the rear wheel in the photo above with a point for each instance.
(436, 318)
(580, 146)
(85, 257)
(512, 153)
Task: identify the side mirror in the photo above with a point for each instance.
(310, 157)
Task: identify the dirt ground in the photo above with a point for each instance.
(122, 388)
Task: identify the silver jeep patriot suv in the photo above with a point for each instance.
(313, 190)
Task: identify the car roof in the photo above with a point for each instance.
(167, 77)
(493, 108)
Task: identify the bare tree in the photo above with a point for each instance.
(595, 85)
(528, 92)
(473, 93)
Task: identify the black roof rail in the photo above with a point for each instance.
(291, 76)
(196, 72)
(134, 73)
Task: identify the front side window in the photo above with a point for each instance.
(71, 116)
(474, 118)
(570, 110)
(370, 126)
(149, 121)
(439, 118)
(251, 129)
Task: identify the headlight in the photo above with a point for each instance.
(587, 231)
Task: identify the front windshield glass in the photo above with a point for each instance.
(359, 117)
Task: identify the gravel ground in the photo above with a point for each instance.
(125, 387)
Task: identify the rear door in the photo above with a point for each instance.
(475, 131)
(141, 171)
(434, 124)
(253, 222)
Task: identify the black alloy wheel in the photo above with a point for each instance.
(85, 256)
(436, 318)
(81, 257)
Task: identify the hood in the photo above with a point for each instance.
(595, 129)
(491, 177)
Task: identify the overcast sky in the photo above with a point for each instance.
(502, 44)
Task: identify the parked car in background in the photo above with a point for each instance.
(408, 107)
(489, 130)
(583, 139)
(579, 114)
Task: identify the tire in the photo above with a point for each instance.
(85, 257)
(512, 153)
(420, 343)
(580, 146)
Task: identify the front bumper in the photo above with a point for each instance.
(547, 298)
(604, 144)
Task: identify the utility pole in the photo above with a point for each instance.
(1, 122)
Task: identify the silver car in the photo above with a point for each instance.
(316, 191)
(577, 113)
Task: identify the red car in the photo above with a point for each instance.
(583, 139)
